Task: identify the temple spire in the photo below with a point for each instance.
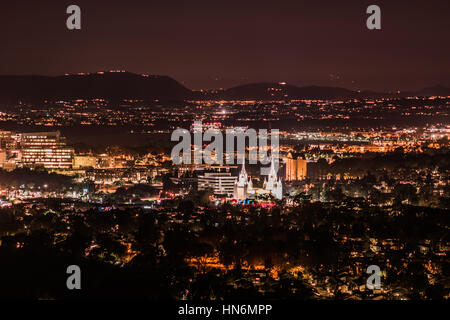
(243, 165)
(272, 168)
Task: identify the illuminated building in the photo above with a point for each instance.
(183, 168)
(222, 183)
(243, 187)
(84, 161)
(111, 175)
(8, 140)
(2, 158)
(47, 149)
(273, 184)
(295, 168)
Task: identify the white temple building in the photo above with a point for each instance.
(273, 184)
(243, 188)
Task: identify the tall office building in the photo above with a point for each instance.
(47, 149)
(295, 168)
(222, 183)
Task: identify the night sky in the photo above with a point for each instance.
(213, 44)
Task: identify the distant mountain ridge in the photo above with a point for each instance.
(125, 85)
(108, 85)
(273, 91)
(435, 91)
